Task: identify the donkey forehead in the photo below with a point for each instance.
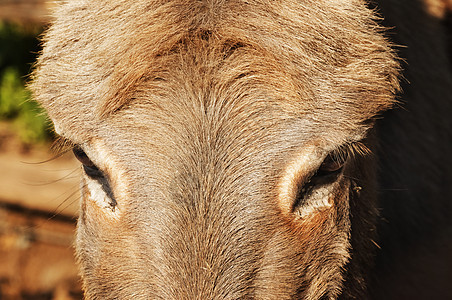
(191, 84)
(311, 66)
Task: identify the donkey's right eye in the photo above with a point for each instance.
(82, 157)
(99, 185)
(90, 168)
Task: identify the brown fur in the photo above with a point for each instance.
(194, 111)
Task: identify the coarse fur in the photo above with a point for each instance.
(211, 122)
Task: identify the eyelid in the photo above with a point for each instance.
(89, 166)
(62, 145)
(82, 157)
(336, 159)
(93, 172)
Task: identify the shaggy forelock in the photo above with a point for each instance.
(323, 56)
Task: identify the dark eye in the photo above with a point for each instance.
(329, 170)
(333, 164)
(327, 173)
(94, 173)
(90, 168)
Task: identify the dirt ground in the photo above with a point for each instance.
(26, 11)
(38, 209)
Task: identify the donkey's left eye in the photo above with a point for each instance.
(332, 164)
(323, 178)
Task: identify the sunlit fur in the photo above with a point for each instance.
(199, 108)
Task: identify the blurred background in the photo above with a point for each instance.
(38, 194)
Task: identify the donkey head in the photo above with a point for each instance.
(223, 143)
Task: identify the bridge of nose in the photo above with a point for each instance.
(213, 241)
(208, 215)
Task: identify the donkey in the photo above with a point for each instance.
(234, 149)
